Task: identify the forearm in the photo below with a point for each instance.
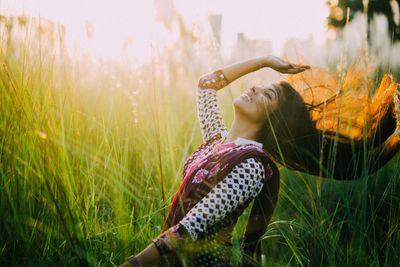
(222, 77)
(237, 70)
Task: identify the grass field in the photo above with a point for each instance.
(91, 153)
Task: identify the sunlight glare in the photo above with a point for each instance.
(118, 29)
(132, 28)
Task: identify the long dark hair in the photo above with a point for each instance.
(291, 138)
(289, 135)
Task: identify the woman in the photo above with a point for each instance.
(230, 169)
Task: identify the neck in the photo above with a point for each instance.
(242, 129)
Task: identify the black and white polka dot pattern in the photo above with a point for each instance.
(244, 182)
(210, 118)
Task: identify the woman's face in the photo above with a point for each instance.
(258, 101)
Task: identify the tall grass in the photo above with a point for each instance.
(91, 153)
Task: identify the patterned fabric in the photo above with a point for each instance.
(210, 118)
(245, 181)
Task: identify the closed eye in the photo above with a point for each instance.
(274, 93)
(268, 95)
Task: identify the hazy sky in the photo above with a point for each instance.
(276, 20)
(115, 20)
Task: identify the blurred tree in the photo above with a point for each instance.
(338, 10)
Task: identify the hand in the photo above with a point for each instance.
(283, 66)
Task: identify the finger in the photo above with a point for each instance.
(301, 66)
(301, 70)
(295, 70)
(290, 71)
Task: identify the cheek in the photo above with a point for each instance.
(273, 106)
(260, 114)
(270, 107)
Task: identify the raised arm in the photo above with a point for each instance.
(210, 118)
(208, 111)
(235, 71)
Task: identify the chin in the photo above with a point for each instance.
(236, 101)
(238, 104)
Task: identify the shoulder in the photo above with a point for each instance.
(251, 163)
(258, 154)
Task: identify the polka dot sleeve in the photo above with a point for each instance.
(210, 118)
(244, 182)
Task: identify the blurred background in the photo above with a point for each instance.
(133, 30)
(98, 114)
